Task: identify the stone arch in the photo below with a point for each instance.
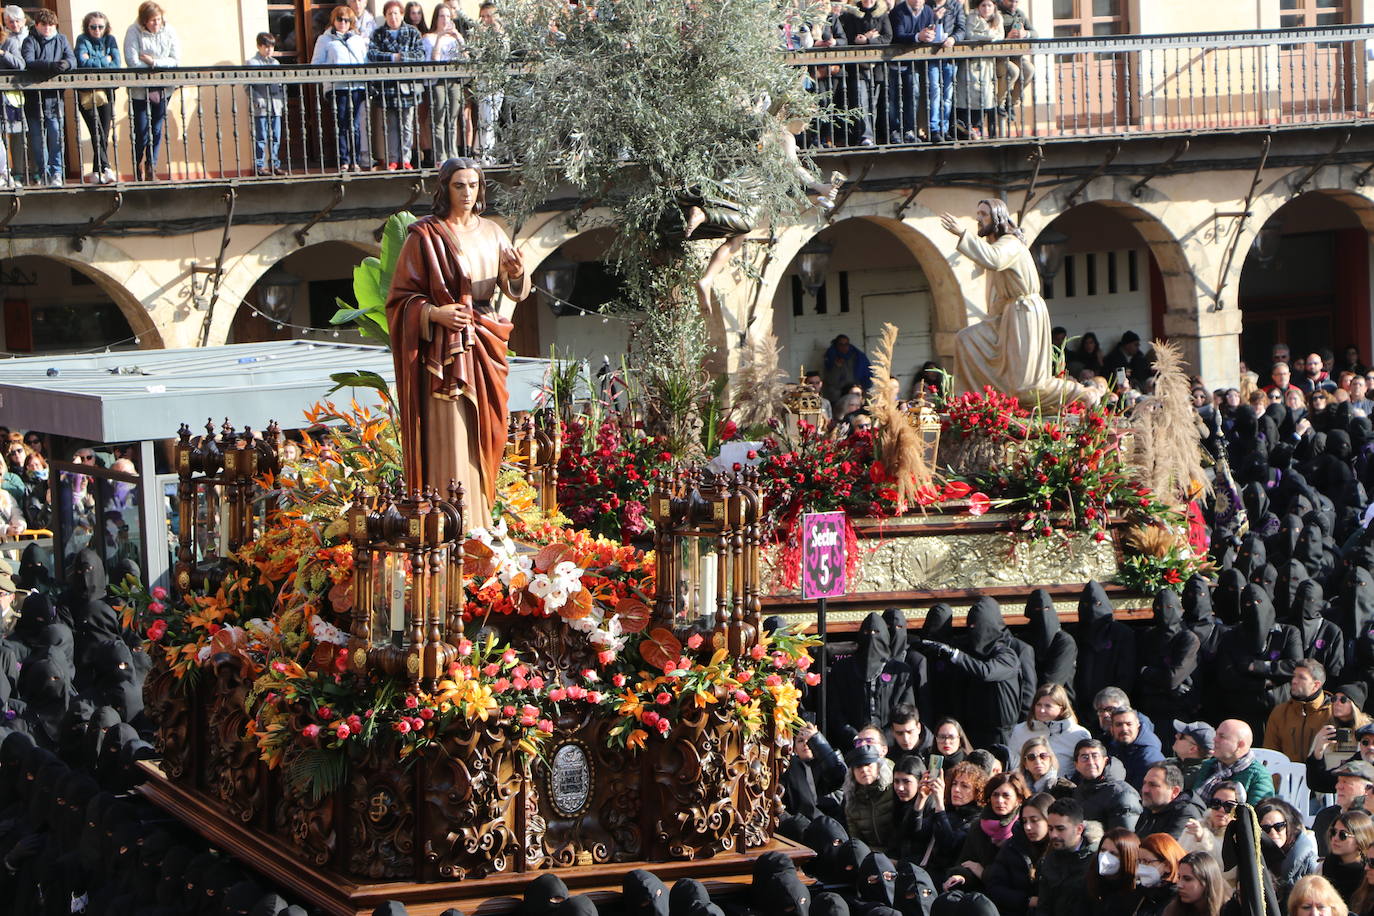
(1148, 216)
(949, 311)
(1330, 185)
(243, 271)
(111, 269)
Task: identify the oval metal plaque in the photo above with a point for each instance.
(570, 779)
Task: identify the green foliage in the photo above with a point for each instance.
(372, 282)
(360, 379)
(315, 771)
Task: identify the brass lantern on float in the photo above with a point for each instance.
(706, 543)
(407, 582)
(923, 418)
(804, 405)
(217, 498)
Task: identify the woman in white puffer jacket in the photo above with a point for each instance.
(1051, 718)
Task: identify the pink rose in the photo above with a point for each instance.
(546, 726)
(694, 641)
(157, 629)
(311, 731)
(342, 730)
(159, 593)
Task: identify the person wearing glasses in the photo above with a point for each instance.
(1206, 835)
(1105, 799)
(1348, 839)
(1354, 781)
(1039, 765)
(342, 46)
(13, 481)
(1281, 824)
(1327, 754)
(97, 49)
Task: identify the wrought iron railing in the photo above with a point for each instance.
(998, 93)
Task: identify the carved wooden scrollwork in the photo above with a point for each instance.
(172, 710)
(468, 808)
(380, 820)
(233, 772)
(307, 824)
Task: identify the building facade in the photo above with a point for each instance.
(1202, 174)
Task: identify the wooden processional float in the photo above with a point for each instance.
(468, 819)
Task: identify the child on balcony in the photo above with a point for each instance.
(268, 101)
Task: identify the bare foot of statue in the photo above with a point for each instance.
(719, 258)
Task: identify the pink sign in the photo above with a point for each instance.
(823, 556)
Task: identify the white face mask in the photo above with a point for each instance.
(1107, 864)
(1147, 876)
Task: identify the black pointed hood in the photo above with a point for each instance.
(1042, 620)
(1256, 618)
(1168, 612)
(1197, 601)
(874, 645)
(1308, 611)
(1290, 530)
(1291, 576)
(1252, 555)
(1256, 500)
(86, 580)
(1311, 551)
(985, 627)
(643, 894)
(915, 890)
(35, 569)
(1094, 616)
(938, 625)
(1354, 606)
(1226, 596)
(877, 880)
(895, 618)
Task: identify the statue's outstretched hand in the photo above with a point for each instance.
(951, 224)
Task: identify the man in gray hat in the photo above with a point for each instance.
(1192, 745)
(1354, 780)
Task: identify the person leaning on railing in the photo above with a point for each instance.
(342, 46)
(150, 43)
(11, 104)
(46, 53)
(96, 49)
(268, 101)
(445, 43)
(396, 42)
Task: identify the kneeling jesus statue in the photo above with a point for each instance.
(1010, 349)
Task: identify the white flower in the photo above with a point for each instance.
(324, 631)
(511, 566)
(540, 586)
(557, 597)
(203, 654)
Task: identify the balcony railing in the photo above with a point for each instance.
(1003, 93)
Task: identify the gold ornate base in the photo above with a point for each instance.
(338, 895)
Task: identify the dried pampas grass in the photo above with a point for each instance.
(1153, 540)
(759, 384)
(899, 443)
(1167, 451)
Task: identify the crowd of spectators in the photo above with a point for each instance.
(384, 125)
(1107, 767)
(930, 100)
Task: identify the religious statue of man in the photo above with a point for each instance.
(1010, 350)
(449, 341)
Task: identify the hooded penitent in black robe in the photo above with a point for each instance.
(940, 690)
(1256, 661)
(1056, 654)
(1106, 651)
(1321, 639)
(992, 668)
(1167, 687)
(868, 685)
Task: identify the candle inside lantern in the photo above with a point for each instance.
(709, 563)
(398, 594)
(222, 529)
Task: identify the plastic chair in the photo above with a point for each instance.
(1291, 786)
(1269, 758)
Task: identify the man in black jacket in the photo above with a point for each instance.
(1063, 884)
(1110, 802)
(1167, 808)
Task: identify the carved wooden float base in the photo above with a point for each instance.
(337, 895)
